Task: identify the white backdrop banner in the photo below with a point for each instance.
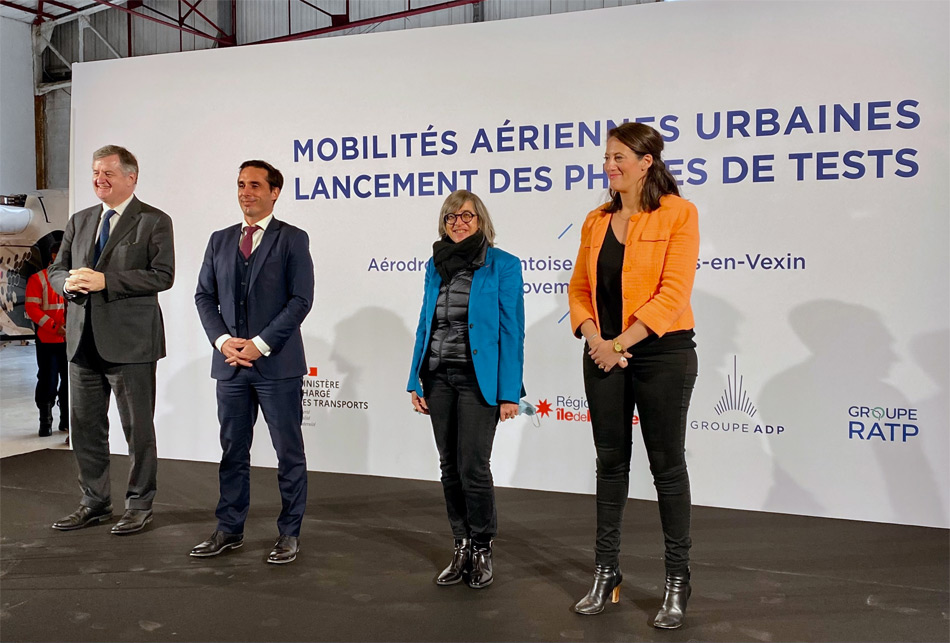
(813, 137)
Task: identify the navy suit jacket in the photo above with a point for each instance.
(495, 329)
(280, 294)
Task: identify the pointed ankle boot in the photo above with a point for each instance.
(481, 575)
(607, 579)
(460, 565)
(673, 611)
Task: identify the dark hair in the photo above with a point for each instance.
(643, 140)
(127, 160)
(274, 178)
(54, 249)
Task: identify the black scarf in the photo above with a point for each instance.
(450, 257)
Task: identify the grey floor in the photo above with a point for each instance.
(19, 419)
(371, 547)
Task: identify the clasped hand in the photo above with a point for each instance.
(606, 357)
(85, 281)
(240, 352)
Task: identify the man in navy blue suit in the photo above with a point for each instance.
(254, 290)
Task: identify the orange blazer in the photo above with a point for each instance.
(659, 266)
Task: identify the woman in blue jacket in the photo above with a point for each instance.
(466, 371)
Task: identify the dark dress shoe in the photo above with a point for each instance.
(132, 520)
(607, 579)
(461, 563)
(83, 517)
(673, 611)
(481, 574)
(219, 542)
(284, 551)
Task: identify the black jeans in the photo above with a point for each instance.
(659, 385)
(464, 427)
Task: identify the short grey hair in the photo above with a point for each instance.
(127, 160)
(455, 201)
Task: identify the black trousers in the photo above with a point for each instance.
(659, 385)
(464, 427)
(52, 380)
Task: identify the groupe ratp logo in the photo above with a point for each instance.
(323, 393)
(899, 423)
(734, 404)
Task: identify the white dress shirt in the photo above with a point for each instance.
(119, 209)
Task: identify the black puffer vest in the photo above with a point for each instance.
(449, 345)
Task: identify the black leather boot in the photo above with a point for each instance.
(481, 575)
(460, 565)
(46, 421)
(673, 611)
(607, 579)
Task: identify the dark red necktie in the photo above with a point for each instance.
(247, 241)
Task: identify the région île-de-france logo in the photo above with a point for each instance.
(568, 409)
(735, 401)
(565, 409)
(544, 408)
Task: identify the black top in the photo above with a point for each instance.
(609, 288)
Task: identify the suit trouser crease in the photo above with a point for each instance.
(239, 400)
(92, 382)
(659, 387)
(463, 424)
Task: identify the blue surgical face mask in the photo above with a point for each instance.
(527, 408)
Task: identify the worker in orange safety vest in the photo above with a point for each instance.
(47, 309)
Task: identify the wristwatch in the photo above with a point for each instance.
(618, 347)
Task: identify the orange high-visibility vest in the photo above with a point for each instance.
(45, 307)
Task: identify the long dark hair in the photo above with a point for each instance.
(643, 139)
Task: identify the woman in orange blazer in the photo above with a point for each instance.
(629, 298)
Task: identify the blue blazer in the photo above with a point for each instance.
(495, 327)
(280, 294)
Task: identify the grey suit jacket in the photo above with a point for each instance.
(138, 262)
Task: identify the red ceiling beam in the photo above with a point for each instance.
(194, 7)
(366, 21)
(33, 12)
(227, 41)
(69, 8)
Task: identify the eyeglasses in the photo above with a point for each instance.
(466, 217)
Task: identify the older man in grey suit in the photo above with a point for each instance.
(114, 260)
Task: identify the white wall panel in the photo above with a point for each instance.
(839, 339)
(17, 126)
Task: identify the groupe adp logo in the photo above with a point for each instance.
(882, 423)
(735, 410)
